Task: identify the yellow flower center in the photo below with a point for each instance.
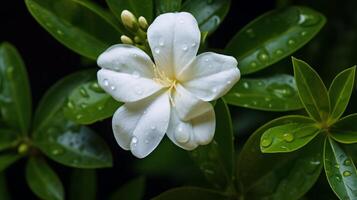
(163, 79)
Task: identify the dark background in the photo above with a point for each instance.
(47, 61)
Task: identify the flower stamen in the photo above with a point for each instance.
(161, 78)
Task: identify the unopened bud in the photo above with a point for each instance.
(143, 23)
(126, 40)
(129, 20)
(137, 39)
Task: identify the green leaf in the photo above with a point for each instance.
(8, 139)
(278, 176)
(88, 103)
(132, 190)
(143, 8)
(312, 90)
(4, 193)
(63, 140)
(274, 93)
(340, 92)
(8, 159)
(216, 159)
(190, 193)
(287, 137)
(83, 185)
(15, 95)
(273, 36)
(345, 130)
(164, 6)
(78, 24)
(43, 181)
(209, 14)
(340, 171)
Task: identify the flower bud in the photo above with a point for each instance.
(137, 39)
(143, 23)
(126, 40)
(129, 20)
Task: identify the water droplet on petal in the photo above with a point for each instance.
(134, 141)
(181, 135)
(112, 88)
(288, 137)
(347, 173)
(266, 142)
(214, 90)
(229, 82)
(153, 128)
(157, 50)
(138, 90)
(184, 48)
(161, 43)
(193, 44)
(105, 82)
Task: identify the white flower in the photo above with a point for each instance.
(170, 96)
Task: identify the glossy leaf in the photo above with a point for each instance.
(164, 6)
(78, 24)
(43, 181)
(340, 171)
(8, 139)
(133, 190)
(340, 92)
(273, 36)
(190, 193)
(88, 103)
(8, 159)
(83, 185)
(278, 176)
(287, 137)
(275, 93)
(15, 95)
(137, 7)
(312, 90)
(209, 14)
(345, 130)
(216, 159)
(4, 193)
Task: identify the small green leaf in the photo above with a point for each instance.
(216, 159)
(143, 8)
(164, 6)
(209, 14)
(8, 159)
(275, 93)
(191, 193)
(273, 36)
(340, 92)
(8, 139)
(312, 90)
(133, 190)
(88, 103)
(287, 137)
(278, 176)
(15, 95)
(4, 193)
(340, 171)
(79, 25)
(43, 181)
(83, 185)
(345, 130)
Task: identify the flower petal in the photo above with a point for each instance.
(125, 87)
(188, 135)
(210, 75)
(140, 126)
(187, 105)
(127, 59)
(174, 40)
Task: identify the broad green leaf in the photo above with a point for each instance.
(345, 130)
(132, 190)
(43, 181)
(274, 36)
(4, 193)
(287, 137)
(216, 159)
(15, 95)
(143, 8)
(209, 14)
(8, 159)
(340, 92)
(77, 24)
(191, 193)
(88, 103)
(312, 90)
(278, 176)
(340, 170)
(83, 185)
(8, 139)
(164, 6)
(275, 93)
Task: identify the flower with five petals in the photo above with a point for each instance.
(171, 95)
